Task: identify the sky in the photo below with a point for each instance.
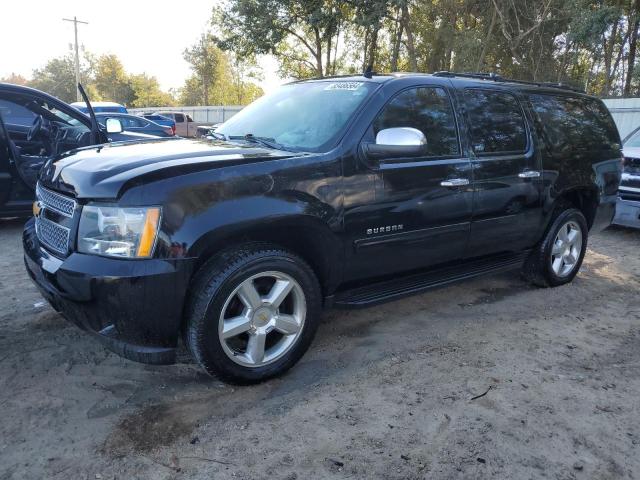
(148, 36)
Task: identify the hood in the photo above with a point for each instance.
(102, 171)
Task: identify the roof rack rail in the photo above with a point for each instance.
(485, 76)
(497, 78)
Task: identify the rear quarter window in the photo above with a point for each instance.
(569, 123)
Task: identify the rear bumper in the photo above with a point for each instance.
(627, 213)
(133, 307)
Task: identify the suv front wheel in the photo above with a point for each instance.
(558, 257)
(253, 313)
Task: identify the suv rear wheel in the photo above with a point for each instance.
(557, 259)
(253, 313)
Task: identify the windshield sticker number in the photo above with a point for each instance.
(351, 86)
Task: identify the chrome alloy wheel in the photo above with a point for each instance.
(262, 319)
(566, 249)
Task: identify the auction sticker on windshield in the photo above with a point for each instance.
(344, 86)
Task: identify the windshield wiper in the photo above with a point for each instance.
(264, 141)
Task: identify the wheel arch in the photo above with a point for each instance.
(304, 235)
(583, 198)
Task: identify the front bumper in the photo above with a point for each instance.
(133, 307)
(627, 213)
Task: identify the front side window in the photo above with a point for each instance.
(309, 116)
(427, 109)
(496, 123)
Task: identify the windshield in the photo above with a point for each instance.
(634, 140)
(300, 116)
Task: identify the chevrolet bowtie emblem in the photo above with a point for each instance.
(37, 208)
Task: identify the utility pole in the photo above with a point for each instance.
(75, 31)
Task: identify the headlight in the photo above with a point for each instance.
(118, 232)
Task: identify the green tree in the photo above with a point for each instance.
(204, 57)
(58, 77)
(301, 33)
(111, 80)
(219, 78)
(146, 92)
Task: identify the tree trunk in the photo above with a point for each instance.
(633, 44)
(318, 53)
(396, 45)
(608, 57)
(411, 49)
(485, 46)
(335, 49)
(373, 47)
(205, 89)
(365, 61)
(328, 59)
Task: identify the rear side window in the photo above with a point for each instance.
(179, 117)
(429, 110)
(569, 123)
(496, 122)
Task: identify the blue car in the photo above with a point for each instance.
(162, 120)
(135, 124)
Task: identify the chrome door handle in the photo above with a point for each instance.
(455, 182)
(529, 174)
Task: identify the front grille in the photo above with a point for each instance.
(52, 235)
(631, 195)
(61, 204)
(55, 219)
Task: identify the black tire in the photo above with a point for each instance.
(214, 284)
(537, 268)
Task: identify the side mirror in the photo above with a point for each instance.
(397, 143)
(113, 125)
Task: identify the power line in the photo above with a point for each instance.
(75, 31)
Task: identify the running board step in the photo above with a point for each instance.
(417, 283)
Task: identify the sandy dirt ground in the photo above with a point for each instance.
(393, 392)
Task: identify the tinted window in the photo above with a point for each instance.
(429, 110)
(496, 123)
(16, 114)
(179, 117)
(574, 122)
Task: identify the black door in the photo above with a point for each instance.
(5, 165)
(507, 186)
(421, 212)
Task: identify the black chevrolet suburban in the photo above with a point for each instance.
(344, 192)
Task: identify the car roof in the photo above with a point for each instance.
(115, 114)
(97, 104)
(458, 80)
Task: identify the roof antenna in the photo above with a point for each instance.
(368, 73)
